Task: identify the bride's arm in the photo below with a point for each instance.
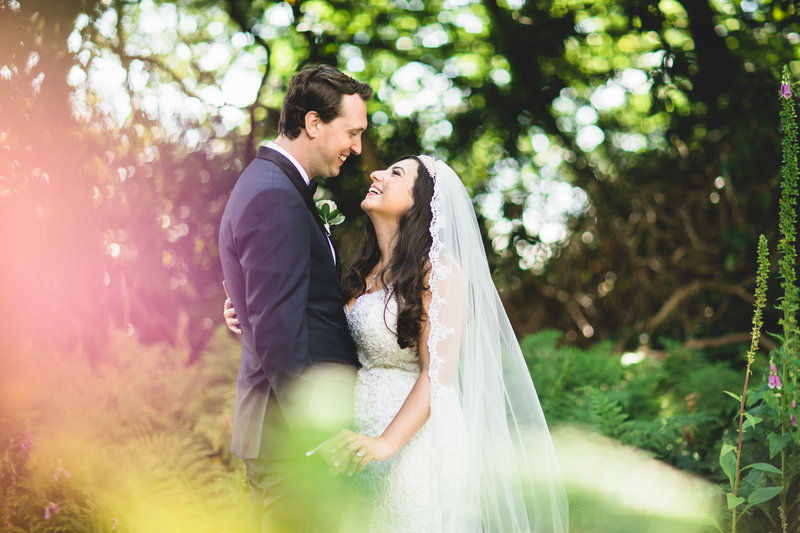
(352, 450)
(358, 449)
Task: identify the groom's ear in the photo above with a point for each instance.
(312, 123)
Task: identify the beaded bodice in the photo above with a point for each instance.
(373, 323)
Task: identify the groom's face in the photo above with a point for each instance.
(336, 140)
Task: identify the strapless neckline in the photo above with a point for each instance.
(348, 310)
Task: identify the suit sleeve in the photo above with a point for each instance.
(274, 247)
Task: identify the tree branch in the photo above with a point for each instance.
(238, 16)
(730, 338)
(688, 291)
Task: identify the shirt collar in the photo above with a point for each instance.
(287, 155)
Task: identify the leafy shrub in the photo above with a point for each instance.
(670, 404)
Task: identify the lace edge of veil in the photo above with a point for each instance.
(438, 330)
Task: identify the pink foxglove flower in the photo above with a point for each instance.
(774, 380)
(61, 470)
(794, 420)
(25, 445)
(786, 91)
(50, 507)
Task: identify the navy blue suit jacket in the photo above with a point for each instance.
(284, 284)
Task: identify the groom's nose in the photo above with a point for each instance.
(355, 147)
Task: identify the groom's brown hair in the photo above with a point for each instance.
(316, 88)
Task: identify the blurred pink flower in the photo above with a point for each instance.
(50, 507)
(774, 380)
(61, 470)
(114, 523)
(794, 420)
(786, 91)
(26, 444)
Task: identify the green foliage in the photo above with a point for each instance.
(760, 297)
(729, 461)
(769, 488)
(788, 218)
(662, 403)
(607, 167)
(111, 218)
(140, 446)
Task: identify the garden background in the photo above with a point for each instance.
(624, 157)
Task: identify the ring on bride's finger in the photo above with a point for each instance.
(359, 453)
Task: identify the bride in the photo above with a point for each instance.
(449, 434)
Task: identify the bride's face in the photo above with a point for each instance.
(391, 193)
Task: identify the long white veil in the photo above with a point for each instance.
(495, 464)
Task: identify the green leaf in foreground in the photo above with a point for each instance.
(778, 443)
(764, 467)
(762, 495)
(734, 396)
(734, 501)
(727, 460)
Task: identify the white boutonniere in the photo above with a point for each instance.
(329, 213)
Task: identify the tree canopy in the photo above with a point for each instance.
(623, 155)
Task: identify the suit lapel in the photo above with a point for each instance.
(299, 183)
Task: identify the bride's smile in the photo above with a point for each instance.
(391, 192)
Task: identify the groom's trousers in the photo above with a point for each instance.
(290, 491)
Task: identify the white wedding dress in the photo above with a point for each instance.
(400, 494)
(484, 461)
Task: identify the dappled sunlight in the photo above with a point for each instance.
(618, 488)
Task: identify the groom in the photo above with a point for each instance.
(294, 387)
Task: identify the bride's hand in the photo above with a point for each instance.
(353, 451)
(230, 317)
(365, 449)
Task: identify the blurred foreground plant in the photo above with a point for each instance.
(140, 444)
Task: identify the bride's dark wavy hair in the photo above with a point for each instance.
(407, 270)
